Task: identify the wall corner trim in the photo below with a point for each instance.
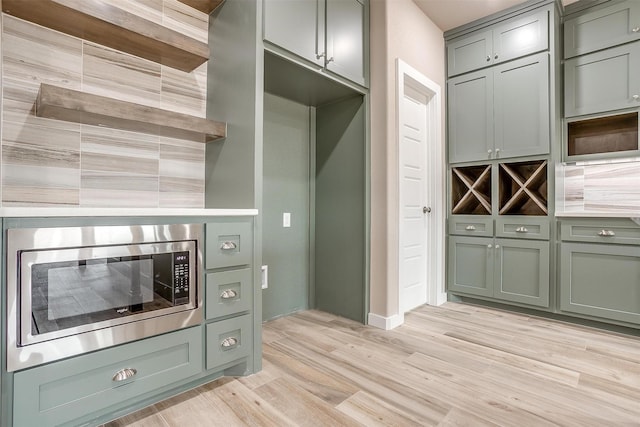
(385, 323)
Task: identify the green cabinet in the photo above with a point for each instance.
(514, 270)
(500, 112)
(600, 269)
(228, 292)
(328, 33)
(90, 385)
(603, 81)
(602, 27)
(228, 243)
(601, 280)
(512, 39)
(228, 341)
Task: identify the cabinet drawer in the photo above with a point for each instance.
(228, 292)
(620, 231)
(600, 280)
(63, 391)
(228, 340)
(229, 243)
(522, 228)
(471, 225)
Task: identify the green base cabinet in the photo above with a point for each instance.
(62, 392)
(506, 269)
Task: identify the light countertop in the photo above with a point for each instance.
(596, 214)
(23, 212)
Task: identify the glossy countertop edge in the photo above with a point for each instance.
(24, 212)
(596, 214)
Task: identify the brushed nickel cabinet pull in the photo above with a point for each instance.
(229, 342)
(522, 229)
(606, 233)
(228, 294)
(227, 246)
(470, 228)
(124, 374)
(635, 29)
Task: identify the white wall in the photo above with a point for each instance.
(399, 29)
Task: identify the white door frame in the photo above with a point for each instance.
(408, 76)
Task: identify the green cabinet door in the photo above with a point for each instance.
(601, 28)
(470, 53)
(603, 81)
(471, 261)
(601, 280)
(470, 107)
(297, 26)
(522, 271)
(345, 39)
(521, 36)
(521, 107)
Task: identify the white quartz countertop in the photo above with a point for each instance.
(113, 212)
(596, 214)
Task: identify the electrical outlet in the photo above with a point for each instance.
(265, 276)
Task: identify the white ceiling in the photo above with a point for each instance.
(448, 14)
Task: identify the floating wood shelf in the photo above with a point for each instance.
(206, 6)
(471, 190)
(74, 106)
(110, 26)
(523, 188)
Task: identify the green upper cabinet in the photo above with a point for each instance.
(297, 26)
(601, 28)
(470, 106)
(328, 33)
(603, 81)
(515, 38)
(500, 112)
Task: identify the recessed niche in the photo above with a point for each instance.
(523, 188)
(611, 134)
(471, 190)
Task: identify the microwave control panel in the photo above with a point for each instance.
(180, 278)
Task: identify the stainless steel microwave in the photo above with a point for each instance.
(77, 289)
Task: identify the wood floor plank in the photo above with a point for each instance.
(454, 365)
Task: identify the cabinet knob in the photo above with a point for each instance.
(495, 56)
(636, 29)
(497, 246)
(488, 58)
(329, 59)
(497, 151)
(636, 97)
(319, 55)
(489, 152)
(489, 246)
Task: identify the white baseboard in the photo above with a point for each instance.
(441, 298)
(385, 323)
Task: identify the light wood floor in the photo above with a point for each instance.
(455, 365)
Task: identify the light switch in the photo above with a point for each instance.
(286, 219)
(265, 276)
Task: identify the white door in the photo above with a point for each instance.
(413, 199)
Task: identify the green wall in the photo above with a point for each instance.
(340, 218)
(285, 189)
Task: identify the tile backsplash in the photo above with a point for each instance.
(607, 186)
(46, 162)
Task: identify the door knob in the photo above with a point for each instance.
(426, 210)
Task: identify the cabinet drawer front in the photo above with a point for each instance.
(228, 340)
(523, 228)
(228, 292)
(601, 280)
(63, 391)
(471, 226)
(229, 244)
(602, 28)
(619, 231)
